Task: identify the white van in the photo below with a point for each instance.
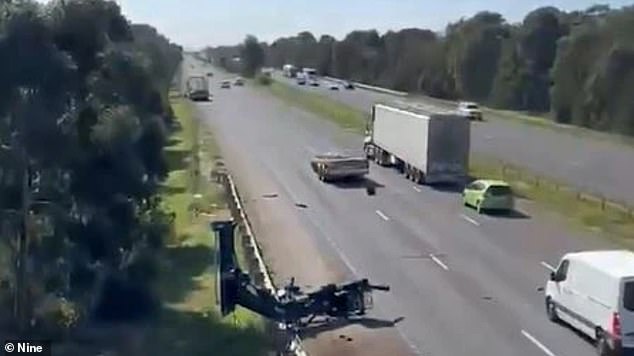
(593, 292)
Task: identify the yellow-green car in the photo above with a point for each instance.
(487, 194)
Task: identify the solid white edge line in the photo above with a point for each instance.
(417, 189)
(474, 222)
(545, 264)
(541, 346)
(439, 262)
(383, 216)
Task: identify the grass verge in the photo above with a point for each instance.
(615, 221)
(546, 123)
(189, 323)
(341, 114)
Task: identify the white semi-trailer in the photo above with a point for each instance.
(427, 146)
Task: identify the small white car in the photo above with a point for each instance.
(333, 86)
(593, 291)
(470, 110)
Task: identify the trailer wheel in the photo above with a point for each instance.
(417, 176)
(421, 178)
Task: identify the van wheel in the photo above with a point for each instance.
(603, 347)
(551, 311)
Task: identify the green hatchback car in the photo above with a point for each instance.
(486, 194)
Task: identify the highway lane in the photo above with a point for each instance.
(595, 166)
(462, 288)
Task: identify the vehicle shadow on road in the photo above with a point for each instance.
(316, 328)
(358, 183)
(447, 188)
(513, 214)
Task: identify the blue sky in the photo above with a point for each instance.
(220, 22)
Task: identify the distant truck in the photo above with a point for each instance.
(289, 70)
(198, 88)
(300, 78)
(309, 73)
(428, 147)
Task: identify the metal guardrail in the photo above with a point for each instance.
(257, 267)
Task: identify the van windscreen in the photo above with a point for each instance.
(628, 296)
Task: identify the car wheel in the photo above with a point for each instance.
(551, 311)
(603, 347)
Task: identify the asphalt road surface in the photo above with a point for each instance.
(588, 164)
(462, 284)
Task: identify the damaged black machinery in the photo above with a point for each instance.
(291, 306)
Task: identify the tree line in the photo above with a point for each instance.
(577, 65)
(83, 123)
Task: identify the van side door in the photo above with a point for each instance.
(559, 289)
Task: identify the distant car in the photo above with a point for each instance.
(239, 82)
(313, 83)
(301, 81)
(348, 85)
(333, 86)
(225, 84)
(486, 194)
(333, 166)
(470, 110)
(210, 74)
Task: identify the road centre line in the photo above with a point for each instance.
(474, 222)
(439, 262)
(383, 216)
(541, 346)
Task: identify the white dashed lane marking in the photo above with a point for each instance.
(383, 216)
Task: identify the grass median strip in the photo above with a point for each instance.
(339, 113)
(544, 122)
(610, 219)
(189, 323)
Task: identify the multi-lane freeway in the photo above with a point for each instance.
(598, 167)
(462, 284)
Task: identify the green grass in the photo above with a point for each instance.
(589, 213)
(581, 210)
(541, 120)
(341, 114)
(189, 323)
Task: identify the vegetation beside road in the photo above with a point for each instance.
(189, 323)
(336, 112)
(83, 124)
(609, 219)
(615, 221)
(575, 66)
(99, 249)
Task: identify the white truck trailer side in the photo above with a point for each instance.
(427, 146)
